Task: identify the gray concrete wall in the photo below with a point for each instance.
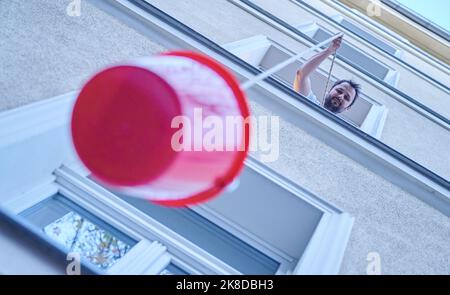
(44, 53)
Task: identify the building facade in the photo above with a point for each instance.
(360, 193)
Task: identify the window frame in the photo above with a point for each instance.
(310, 28)
(82, 193)
(68, 178)
(73, 184)
(127, 218)
(46, 191)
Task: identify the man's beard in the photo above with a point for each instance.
(333, 105)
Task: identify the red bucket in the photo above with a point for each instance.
(130, 128)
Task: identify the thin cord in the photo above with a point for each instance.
(329, 76)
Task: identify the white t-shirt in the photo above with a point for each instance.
(312, 97)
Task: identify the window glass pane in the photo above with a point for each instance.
(377, 42)
(357, 57)
(79, 231)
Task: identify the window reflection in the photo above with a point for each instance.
(80, 235)
(172, 269)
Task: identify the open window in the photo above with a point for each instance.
(259, 51)
(353, 54)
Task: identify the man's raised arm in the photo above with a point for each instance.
(302, 84)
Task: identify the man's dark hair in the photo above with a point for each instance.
(354, 85)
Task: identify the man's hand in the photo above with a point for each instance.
(302, 83)
(335, 44)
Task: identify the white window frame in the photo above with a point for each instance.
(150, 255)
(145, 257)
(131, 221)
